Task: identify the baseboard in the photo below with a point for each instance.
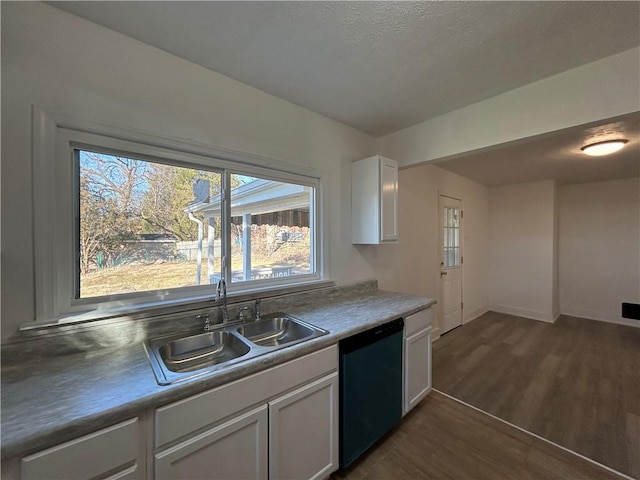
(599, 316)
(523, 312)
(435, 334)
(473, 314)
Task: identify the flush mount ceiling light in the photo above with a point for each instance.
(603, 148)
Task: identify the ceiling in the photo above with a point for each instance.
(378, 66)
(383, 66)
(555, 156)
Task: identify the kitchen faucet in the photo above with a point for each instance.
(222, 288)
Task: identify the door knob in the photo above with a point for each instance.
(442, 274)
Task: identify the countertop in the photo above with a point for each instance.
(65, 397)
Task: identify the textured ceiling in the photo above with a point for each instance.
(378, 66)
(555, 156)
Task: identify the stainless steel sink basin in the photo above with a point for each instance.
(275, 331)
(179, 357)
(202, 350)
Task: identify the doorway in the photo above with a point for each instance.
(451, 260)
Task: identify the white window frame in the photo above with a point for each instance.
(56, 137)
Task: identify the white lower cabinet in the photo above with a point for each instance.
(417, 358)
(303, 431)
(237, 449)
(281, 423)
(278, 424)
(111, 453)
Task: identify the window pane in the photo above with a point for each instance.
(451, 237)
(271, 229)
(141, 225)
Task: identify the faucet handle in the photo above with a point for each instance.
(242, 312)
(207, 321)
(257, 310)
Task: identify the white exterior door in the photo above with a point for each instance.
(450, 264)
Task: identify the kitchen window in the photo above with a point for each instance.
(135, 230)
(126, 221)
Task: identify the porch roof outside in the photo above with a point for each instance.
(256, 198)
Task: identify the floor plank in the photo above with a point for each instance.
(575, 382)
(444, 439)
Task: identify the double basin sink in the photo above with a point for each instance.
(180, 357)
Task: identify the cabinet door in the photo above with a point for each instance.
(388, 200)
(303, 431)
(113, 449)
(417, 368)
(236, 449)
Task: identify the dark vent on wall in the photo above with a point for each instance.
(631, 310)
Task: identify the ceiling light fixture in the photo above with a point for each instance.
(603, 148)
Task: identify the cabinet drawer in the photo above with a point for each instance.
(186, 416)
(418, 321)
(87, 457)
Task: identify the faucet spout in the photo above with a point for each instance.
(222, 289)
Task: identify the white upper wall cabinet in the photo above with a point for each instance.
(374, 200)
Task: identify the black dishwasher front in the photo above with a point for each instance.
(370, 388)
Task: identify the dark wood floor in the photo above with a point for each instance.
(575, 382)
(444, 439)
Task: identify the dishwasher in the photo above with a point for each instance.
(370, 388)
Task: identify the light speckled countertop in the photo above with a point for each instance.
(60, 398)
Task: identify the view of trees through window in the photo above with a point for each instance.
(145, 225)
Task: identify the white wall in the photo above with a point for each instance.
(70, 66)
(599, 242)
(413, 265)
(611, 85)
(523, 251)
(67, 65)
(521, 254)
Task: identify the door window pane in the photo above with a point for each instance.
(451, 233)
